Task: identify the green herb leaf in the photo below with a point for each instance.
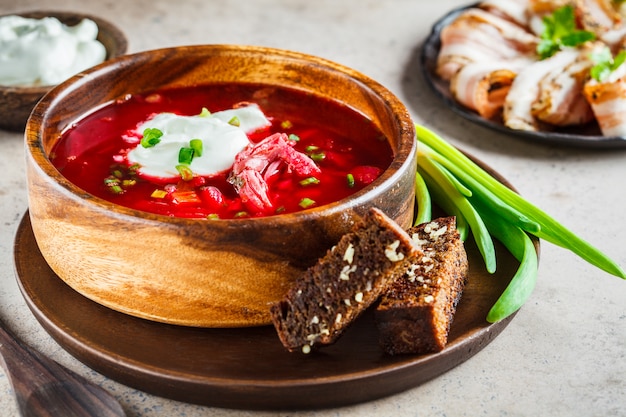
(605, 63)
(559, 30)
(151, 137)
(577, 38)
(619, 59)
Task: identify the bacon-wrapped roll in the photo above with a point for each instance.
(514, 10)
(525, 89)
(483, 86)
(477, 35)
(561, 101)
(608, 101)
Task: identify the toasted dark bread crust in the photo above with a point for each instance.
(330, 295)
(414, 315)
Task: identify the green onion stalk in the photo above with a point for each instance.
(489, 209)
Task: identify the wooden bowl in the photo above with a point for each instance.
(195, 272)
(16, 102)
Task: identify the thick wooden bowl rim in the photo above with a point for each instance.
(404, 155)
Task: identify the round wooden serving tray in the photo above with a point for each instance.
(247, 368)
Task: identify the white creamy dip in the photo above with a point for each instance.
(221, 141)
(46, 51)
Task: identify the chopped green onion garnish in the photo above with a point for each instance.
(286, 124)
(185, 155)
(240, 214)
(234, 121)
(129, 182)
(117, 173)
(151, 136)
(350, 180)
(294, 137)
(185, 172)
(158, 194)
(197, 146)
(312, 148)
(132, 170)
(306, 202)
(113, 184)
(213, 216)
(205, 112)
(309, 181)
(320, 156)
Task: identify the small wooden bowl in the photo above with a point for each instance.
(194, 272)
(16, 102)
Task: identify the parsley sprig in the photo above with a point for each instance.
(559, 30)
(605, 63)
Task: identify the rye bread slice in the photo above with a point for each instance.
(348, 279)
(415, 313)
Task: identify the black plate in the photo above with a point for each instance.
(583, 136)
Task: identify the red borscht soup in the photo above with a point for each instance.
(306, 152)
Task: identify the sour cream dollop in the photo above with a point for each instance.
(221, 141)
(46, 51)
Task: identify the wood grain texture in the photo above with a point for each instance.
(248, 368)
(44, 388)
(188, 271)
(16, 102)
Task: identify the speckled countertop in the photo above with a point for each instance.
(562, 355)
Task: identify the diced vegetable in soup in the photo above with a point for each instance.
(222, 151)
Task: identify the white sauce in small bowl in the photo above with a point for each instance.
(45, 51)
